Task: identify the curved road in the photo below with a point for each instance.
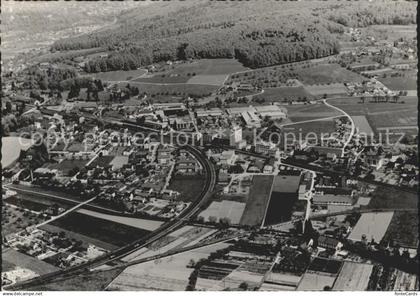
(144, 241)
(353, 127)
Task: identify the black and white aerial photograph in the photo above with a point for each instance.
(209, 145)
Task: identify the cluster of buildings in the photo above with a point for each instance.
(369, 89)
(54, 248)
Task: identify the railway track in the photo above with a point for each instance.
(142, 242)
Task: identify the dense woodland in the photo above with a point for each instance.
(257, 35)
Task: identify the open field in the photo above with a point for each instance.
(306, 112)
(92, 281)
(10, 257)
(373, 225)
(362, 125)
(392, 198)
(391, 32)
(144, 224)
(403, 229)
(394, 119)
(163, 78)
(166, 274)
(118, 75)
(205, 71)
(100, 229)
(400, 83)
(85, 239)
(353, 106)
(280, 94)
(315, 281)
(326, 89)
(308, 128)
(188, 186)
(231, 210)
(353, 277)
(257, 202)
(29, 202)
(216, 79)
(327, 73)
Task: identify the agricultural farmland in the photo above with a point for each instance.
(307, 112)
(403, 229)
(362, 125)
(353, 106)
(400, 83)
(392, 198)
(324, 74)
(206, 72)
(328, 89)
(118, 75)
(307, 129)
(284, 94)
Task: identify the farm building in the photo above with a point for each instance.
(321, 199)
(272, 111)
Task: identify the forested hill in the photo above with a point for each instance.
(257, 33)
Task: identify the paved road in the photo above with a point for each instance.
(353, 127)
